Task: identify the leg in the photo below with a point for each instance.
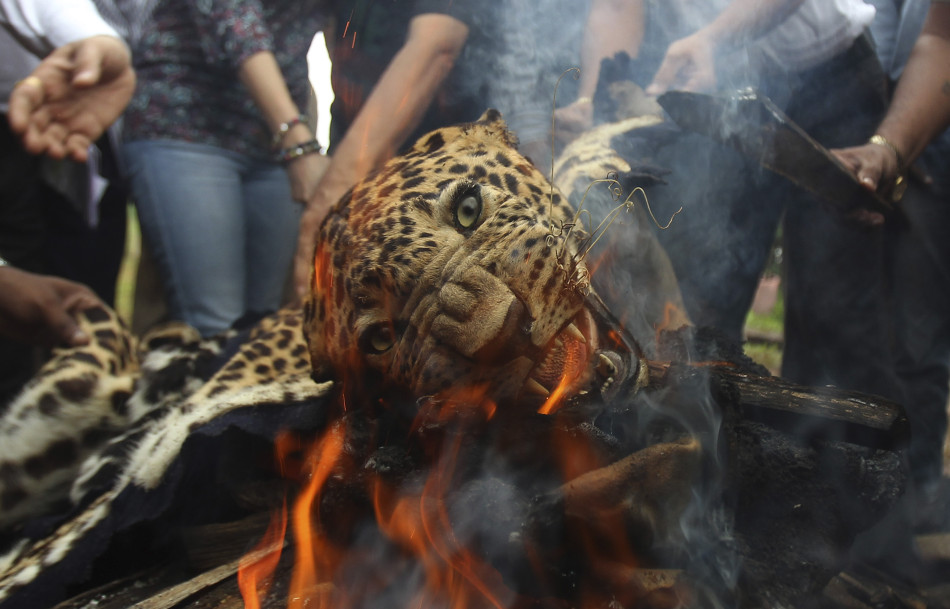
(189, 202)
(837, 327)
(273, 219)
(920, 275)
(720, 242)
(837, 331)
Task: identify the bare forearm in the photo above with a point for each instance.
(612, 26)
(263, 79)
(399, 100)
(920, 109)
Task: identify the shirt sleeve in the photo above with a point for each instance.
(231, 30)
(459, 9)
(43, 25)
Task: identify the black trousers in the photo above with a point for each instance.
(837, 327)
(42, 232)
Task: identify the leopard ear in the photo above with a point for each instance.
(494, 124)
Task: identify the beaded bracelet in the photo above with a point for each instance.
(283, 128)
(286, 155)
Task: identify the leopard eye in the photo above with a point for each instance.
(468, 207)
(378, 338)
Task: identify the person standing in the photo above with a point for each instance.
(814, 59)
(910, 149)
(217, 151)
(67, 75)
(396, 75)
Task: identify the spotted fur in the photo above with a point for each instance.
(457, 264)
(395, 263)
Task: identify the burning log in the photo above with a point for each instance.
(828, 412)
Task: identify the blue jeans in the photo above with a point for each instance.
(222, 227)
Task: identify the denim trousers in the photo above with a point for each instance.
(222, 227)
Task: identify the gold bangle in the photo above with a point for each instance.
(583, 100)
(880, 140)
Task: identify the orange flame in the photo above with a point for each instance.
(421, 525)
(257, 566)
(448, 404)
(308, 573)
(553, 402)
(574, 365)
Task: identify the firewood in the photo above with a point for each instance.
(859, 591)
(173, 596)
(934, 547)
(818, 413)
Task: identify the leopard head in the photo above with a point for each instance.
(457, 265)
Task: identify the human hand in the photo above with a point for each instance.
(873, 165)
(41, 309)
(72, 97)
(687, 66)
(304, 173)
(573, 120)
(876, 168)
(313, 215)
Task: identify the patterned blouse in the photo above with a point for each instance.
(187, 66)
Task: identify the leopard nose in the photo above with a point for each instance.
(512, 338)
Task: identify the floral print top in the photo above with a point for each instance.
(187, 65)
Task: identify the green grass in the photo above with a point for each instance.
(769, 354)
(125, 285)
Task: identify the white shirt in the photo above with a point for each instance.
(33, 28)
(817, 31)
(42, 25)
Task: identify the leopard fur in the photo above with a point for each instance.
(457, 264)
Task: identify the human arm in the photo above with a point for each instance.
(613, 26)
(40, 309)
(263, 79)
(81, 86)
(393, 109)
(919, 111)
(237, 35)
(72, 96)
(689, 63)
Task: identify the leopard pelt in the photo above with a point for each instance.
(456, 264)
(459, 265)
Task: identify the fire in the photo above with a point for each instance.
(310, 561)
(312, 554)
(257, 566)
(416, 521)
(421, 525)
(575, 363)
(553, 402)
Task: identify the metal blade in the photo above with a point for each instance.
(756, 127)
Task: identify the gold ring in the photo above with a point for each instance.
(32, 81)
